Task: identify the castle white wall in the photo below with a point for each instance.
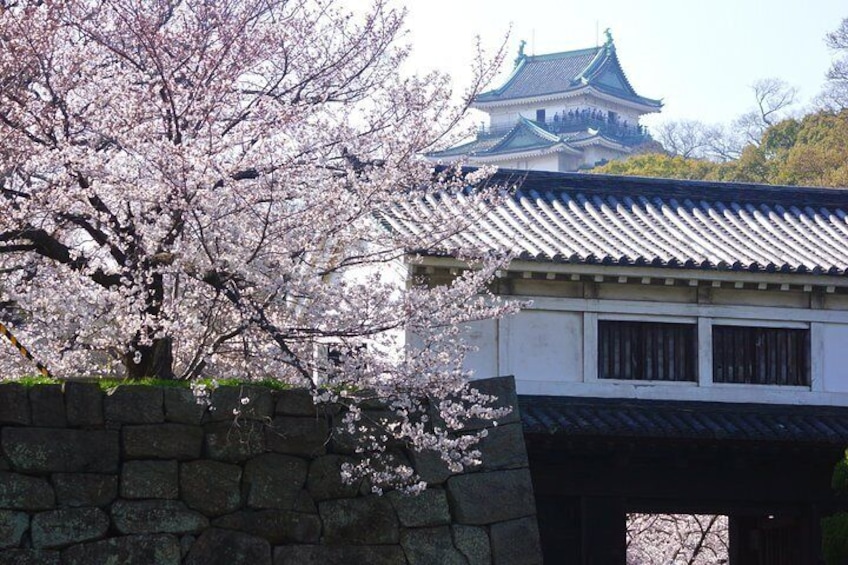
(506, 116)
(833, 345)
(597, 154)
(543, 346)
(551, 348)
(542, 163)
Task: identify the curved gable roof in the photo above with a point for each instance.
(525, 134)
(553, 73)
(537, 75)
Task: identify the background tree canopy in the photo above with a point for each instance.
(810, 151)
(764, 145)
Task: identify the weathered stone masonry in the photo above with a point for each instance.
(145, 475)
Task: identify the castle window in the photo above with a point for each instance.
(763, 356)
(540, 116)
(647, 351)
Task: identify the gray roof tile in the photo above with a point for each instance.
(554, 73)
(599, 417)
(579, 218)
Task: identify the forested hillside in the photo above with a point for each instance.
(810, 151)
(765, 145)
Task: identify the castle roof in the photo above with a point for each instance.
(528, 137)
(640, 222)
(524, 137)
(566, 72)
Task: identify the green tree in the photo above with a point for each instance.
(810, 151)
(664, 166)
(835, 528)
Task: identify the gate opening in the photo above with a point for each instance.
(677, 539)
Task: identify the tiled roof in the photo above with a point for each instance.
(477, 146)
(544, 74)
(524, 136)
(630, 221)
(602, 417)
(554, 73)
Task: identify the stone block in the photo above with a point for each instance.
(47, 406)
(20, 492)
(134, 404)
(295, 402)
(226, 547)
(163, 441)
(273, 480)
(29, 557)
(181, 406)
(156, 516)
(227, 400)
(83, 404)
(158, 549)
(85, 489)
(503, 448)
(211, 487)
(485, 498)
(12, 527)
(430, 467)
(339, 555)
(46, 450)
(14, 404)
(298, 436)
(186, 542)
(429, 508)
(516, 542)
(424, 546)
(66, 526)
(233, 441)
(277, 526)
(150, 479)
(359, 521)
(325, 480)
(504, 389)
(473, 542)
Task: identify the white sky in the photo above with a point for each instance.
(699, 56)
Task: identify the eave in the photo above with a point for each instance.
(643, 108)
(665, 275)
(599, 140)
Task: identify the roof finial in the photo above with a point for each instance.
(608, 44)
(521, 54)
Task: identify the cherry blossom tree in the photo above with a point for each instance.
(195, 188)
(677, 539)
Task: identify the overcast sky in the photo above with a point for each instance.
(700, 57)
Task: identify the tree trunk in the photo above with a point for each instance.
(157, 361)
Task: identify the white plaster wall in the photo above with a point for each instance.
(569, 162)
(834, 352)
(542, 163)
(540, 348)
(508, 115)
(593, 154)
(484, 336)
(550, 348)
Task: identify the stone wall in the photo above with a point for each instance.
(145, 475)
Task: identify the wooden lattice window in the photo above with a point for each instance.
(763, 356)
(647, 351)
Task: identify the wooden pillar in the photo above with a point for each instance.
(604, 531)
(743, 542)
(559, 528)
